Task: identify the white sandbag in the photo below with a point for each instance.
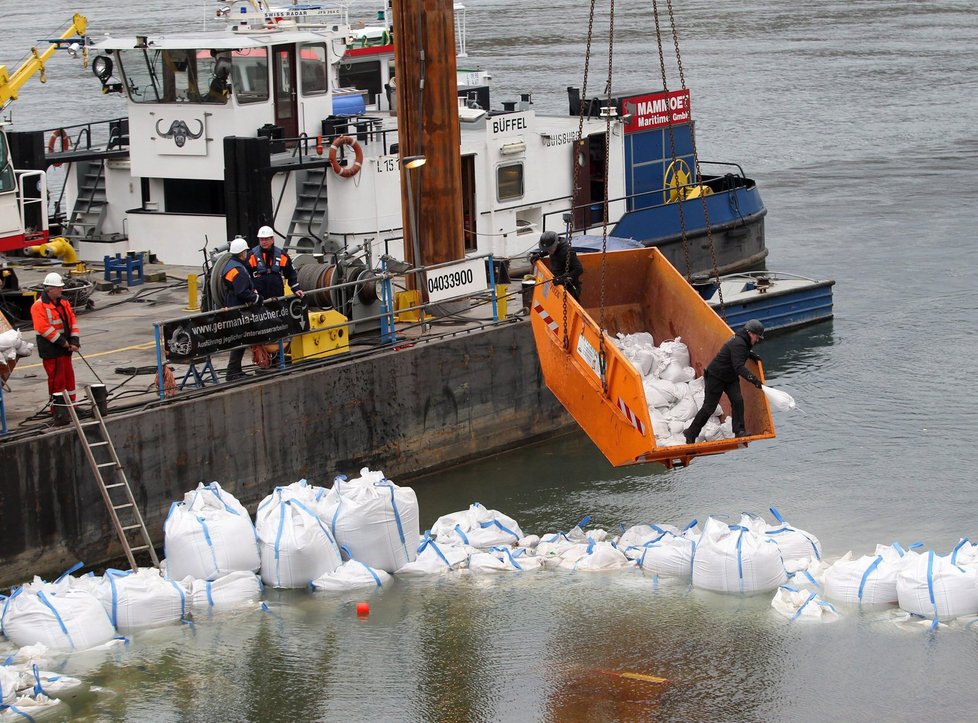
(677, 373)
(932, 586)
(805, 605)
(794, 543)
(295, 546)
(553, 544)
(633, 540)
(435, 558)
(781, 401)
(34, 708)
(351, 575)
(736, 559)
(965, 553)
(684, 410)
(68, 620)
(870, 579)
(141, 599)
(209, 535)
(676, 351)
(375, 519)
(503, 559)
(230, 591)
(669, 556)
(9, 683)
(477, 527)
(529, 542)
(594, 557)
(660, 392)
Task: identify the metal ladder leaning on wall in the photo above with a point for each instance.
(125, 515)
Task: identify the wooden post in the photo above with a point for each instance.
(427, 110)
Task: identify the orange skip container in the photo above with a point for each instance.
(643, 292)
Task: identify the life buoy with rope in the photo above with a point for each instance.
(65, 142)
(354, 168)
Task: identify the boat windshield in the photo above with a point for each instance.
(194, 75)
(7, 181)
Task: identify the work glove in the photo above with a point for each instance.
(559, 281)
(754, 356)
(757, 383)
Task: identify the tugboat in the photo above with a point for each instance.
(287, 117)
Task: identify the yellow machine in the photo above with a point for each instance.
(11, 83)
(59, 247)
(328, 335)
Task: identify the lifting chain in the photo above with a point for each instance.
(672, 137)
(696, 161)
(579, 158)
(604, 206)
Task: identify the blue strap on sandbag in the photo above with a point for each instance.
(803, 606)
(428, 541)
(866, 574)
(502, 527)
(583, 522)
(44, 599)
(397, 515)
(461, 534)
(345, 550)
(373, 574)
(3, 615)
(777, 515)
(315, 517)
(207, 539)
(954, 553)
(183, 598)
(38, 688)
(15, 709)
(930, 587)
(210, 598)
(77, 566)
(213, 489)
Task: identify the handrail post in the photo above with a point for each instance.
(159, 361)
(492, 288)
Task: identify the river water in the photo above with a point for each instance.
(857, 120)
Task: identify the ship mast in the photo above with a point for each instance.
(427, 110)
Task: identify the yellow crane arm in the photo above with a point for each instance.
(10, 84)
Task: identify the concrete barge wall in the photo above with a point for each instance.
(406, 412)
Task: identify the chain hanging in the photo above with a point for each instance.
(579, 146)
(696, 158)
(604, 205)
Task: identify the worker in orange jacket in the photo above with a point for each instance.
(57, 336)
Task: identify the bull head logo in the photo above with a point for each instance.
(180, 131)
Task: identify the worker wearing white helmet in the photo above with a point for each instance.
(238, 291)
(269, 265)
(57, 336)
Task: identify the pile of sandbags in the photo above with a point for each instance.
(931, 585)
(870, 579)
(296, 546)
(477, 527)
(227, 592)
(351, 575)
(435, 558)
(209, 535)
(672, 390)
(798, 604)
(373, 519)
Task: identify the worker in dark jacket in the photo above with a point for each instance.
(57, 336)
(722, 376)
(269, 265)
(564, 264)
(238, 291)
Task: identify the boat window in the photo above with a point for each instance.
(250, 73)
(313, 69)
(363, 76)
(7, 181)
(509, 181)
(176, 76)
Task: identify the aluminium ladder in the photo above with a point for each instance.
(125, 515)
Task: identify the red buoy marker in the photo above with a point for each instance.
(363, 609)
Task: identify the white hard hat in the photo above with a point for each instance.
(54, 279)
(238, 245)
(265, 232)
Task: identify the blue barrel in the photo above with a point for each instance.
(352, 104)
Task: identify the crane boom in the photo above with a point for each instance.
(11, 84)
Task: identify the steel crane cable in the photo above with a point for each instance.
(696, 160)
(579, 159)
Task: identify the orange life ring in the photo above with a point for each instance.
(65, 142)
(352, 169)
